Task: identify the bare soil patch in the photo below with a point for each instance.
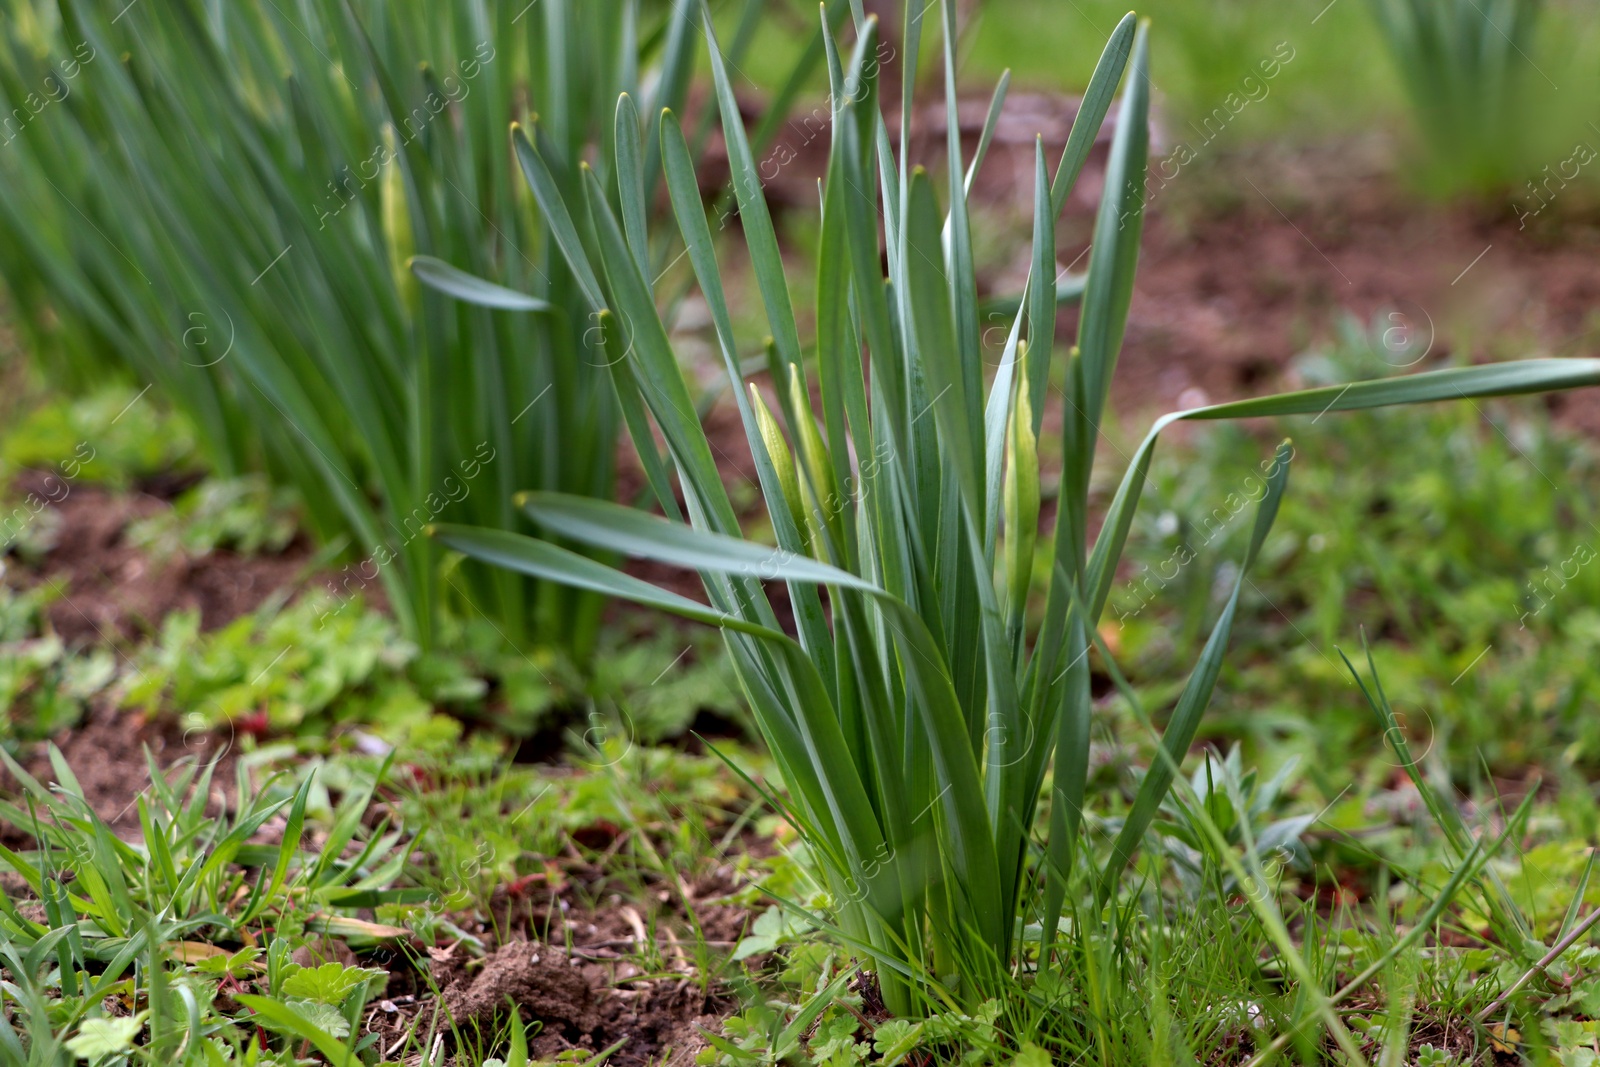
(109, 591)
(1263, 255)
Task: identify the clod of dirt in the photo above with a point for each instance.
(537, 978)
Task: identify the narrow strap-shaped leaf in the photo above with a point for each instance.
(548, 196)
(1092, 111)
(541, 559)
(1118, 226)
(630, 181)
(1041, 290)
(938, 348)
(755, 219)
(1196, 695)
(684, 189)
(671, 85)
(661, 382)
(471, 289)
(619, 529)
(287, 846)
(634, 414)
(1514, 378)
(633, 533)
(1103, 314)
(1070, 780)
(857, 122)
(1455, 383)
(960, 433)
(826, 757)
(962, 274)
(996, 104)
(948, 481)
(844, 393)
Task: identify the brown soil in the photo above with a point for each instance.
(576, 971)
(106, 753)
(567, 1000)
(1261, 256)
(108, 591)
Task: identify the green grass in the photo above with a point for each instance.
(1360, 864)
(1470, 534)
(129, 913)
(1190, 953)
(317, 667)
(192, 944)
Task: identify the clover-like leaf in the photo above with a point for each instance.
(237, 964)
(325, 1017)
(895, 1039)
(102, 1037)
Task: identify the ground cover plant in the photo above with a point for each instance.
(292, 661)
(337, 941)
(914, 721)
